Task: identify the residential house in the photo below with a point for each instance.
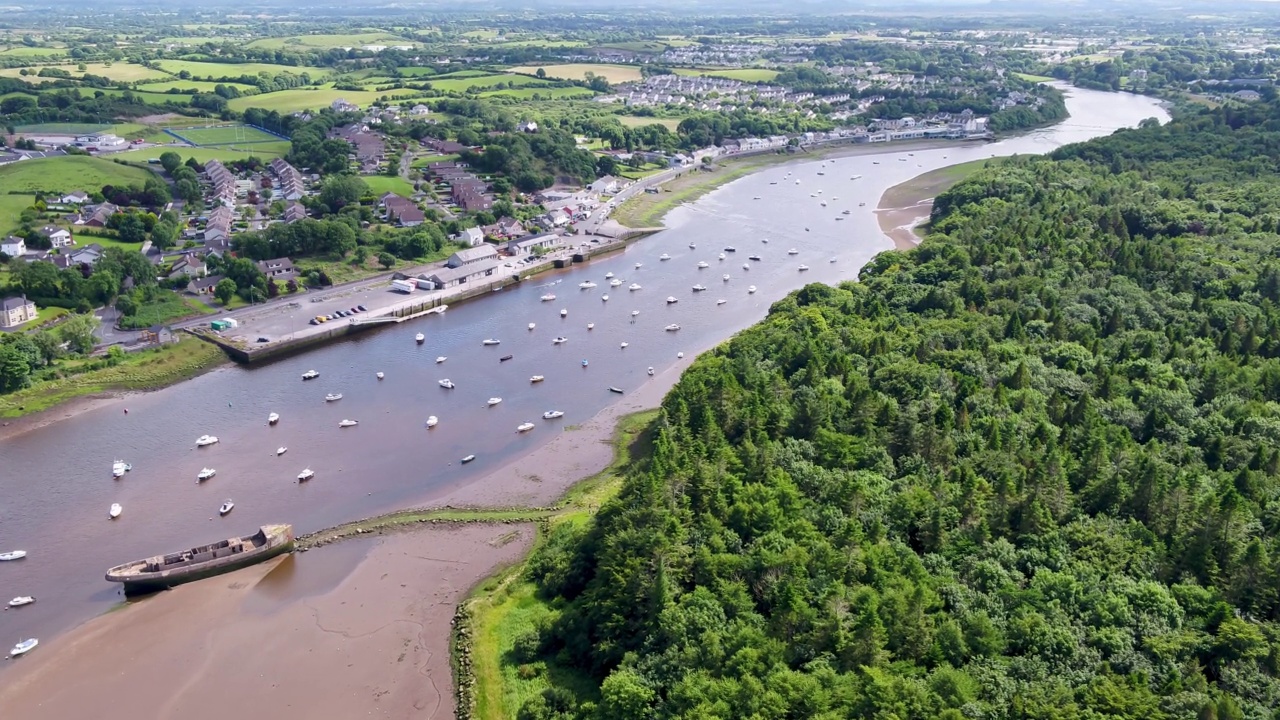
(290, 185)
(368, 147)
(510, 227)
(97, 215)
(473, 237)
(190, 266)
(444, 147)
(472, 256)
(203, 285)
(606, 185)
(341, 105)
(13, 246)
(278, 269)
(419, 109)
(527, 126)
(222, 182)
(456, 275)
(294, 211)
(78, 197)
(529, 243)
(218, 224)
(558, 218)
(402, 210)
(57, 237)
(15, 311)
(88, 255)
(1247, 95)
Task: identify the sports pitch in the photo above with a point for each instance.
(213, 135)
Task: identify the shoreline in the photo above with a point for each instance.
(906, 207)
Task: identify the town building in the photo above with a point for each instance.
(294, 211)
(472, 256)
(529, 243)
(203, 285)
(473, 237)
(79, 197)
(15, 311)
(457, 275)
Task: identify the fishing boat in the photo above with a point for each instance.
(693, 246)
(333, 397)
(494, 401)
(823, 203)
(832, 260)
(721, 301)
(206, 440)
(379, 375)
(114, 512)
(650, 370)
(446, 383)
(561, 339)
(306, 475)
(343, 423)
(703, 264)
(119, 468)
(615, 282)
(672, 301)
(615, 389)
(862, 204)
(227, 507)
(273, 418)
(634, 286)
(803, 268)
(536, 379)
(623, 344)
(420, 338)
(751, 289)
(533, 325)
(468, 459)
(564, 312)
(672, 327)
(586, 285)
(552, 414)
(490, 341)
(797, 181)
(680, 355)
(206, 473)
(164, 571)
(856, 177)
(505, 358)
(524, 427)
(441, 359)
(281, 450)
(432, 421)
(664, 256)
(608, 275)
(604, 298)
(591, 326)
(24, 647)
(21, 600)
(793, 251)
(548, 297)
(12, 555)
(310, 375)
(697, 288)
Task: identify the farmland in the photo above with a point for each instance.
(287, 101)
(578, 71)
(219, 70)
(67, 173)
(324, 42)
(119, 72)
(11, 207)
(637, 121)
(741, 74)
(198, 85)
(449, 83)
(540, 93)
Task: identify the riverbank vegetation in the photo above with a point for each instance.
(1026, 470)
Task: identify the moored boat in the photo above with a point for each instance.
(21, 600)
(634, 286)
(205, 474)
(281, 450)
(615, 389)
(725, 277)
(12, 555)
(273, 418)
(227, 507)
(793, 251)
(505, 358)
(432, 421)
(524, 427)
(468, 459)
(164, 571)
(446, 383)
(623, 344)
(561, 339)
(536, 379)
(664, 256)
(204, 440)
(552, 414)
(347, 423)
(306, 475)
(548, 297)
(650, 370)
(591, 326)
(604, 298)
(672, 327)
(802, 268)
(333, 397)
(379, 375)
(310, 375)
(586, 285)
(533, 325)
(751, 289)
(721, 301)
(564, 312)
(615, 282)
(494, 401)
(114, 512)
(118, 468)
(24, 647)
(490, 341)
(441, 359)
(420, 338)
(671, 300)
(608, 275)
(703, 264)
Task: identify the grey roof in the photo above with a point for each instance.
(476, 253)
(443, 276)
(14, 303)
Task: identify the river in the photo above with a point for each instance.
(55, 481)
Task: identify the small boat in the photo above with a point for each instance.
(564, 312)
(604, 298)
(638, 265)
(635, 313)
(832, 260)
(586, 284)
(803, 268)
(548, 297)
(623, 344)
(823, 203)
(306, 475)
(672, 301)
(274, 418)
(490, 341)
(862, 204)
(693, 246)
(24, 647)
(584, 363)
(615, 389)
(754, 257)
(839, 219)
(468, 459)
(793, 251)
(207, 473)
(721, 256)
(310, 375)
(703, 264)
(634, 287)
(721, 301)
(21, 600)
(797, 181)
(846, 212)
(672, 327)
(615, 282)
(552, 414)
(227, 507)
(751, 289)
(608, 275)
(591, 326)
(347, 423)
(533, 325)
(432, 421)
(757, 197)
(379, 375)
(505, 358)
(536, 379)
(775, 182)
(765, 240)
(281, 450)
(524, 427)
(206, 440)
(333, 397)
(697, 288)
(441, 359)
(746, 266)
(420, 338)
(116, 509)
(822, 173)
(664, 256)
(12, 555)
(650, 371)
(446, 383)
(561, 339)
(725, 277)
(856, 177)
(494, 401)
(680, 355)
(119, 468)
(730, 248)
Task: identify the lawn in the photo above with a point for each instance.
(578, 71)
(200, 85)
(120, 72)
(633, 121)
(105, 242)
(61, 128)
(424, 71)
(11, 207)
(223, 134)
(540, 93)
(287, 101)
(43, 316)
(742, 74)
(31, 52)
(68, 173)
(225, 153)
(1033, 78)
(168, 307)
(382, 184)
(424, 160)
(218, 70)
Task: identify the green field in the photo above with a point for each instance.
(297, 99)
(29, 52)
(68, 173)
(217, 70)
(11, 207)
(324, 42)
(120, 72)
(225, 153)
(632, 121)
(545, 93)
(578, 71)
(149, 97)
(423, 71)
(1033, 78)
(131, 131)
(61, 128)
(224, 135)
(200, 85)
(381, 184)
(742, 74)
(448, 83)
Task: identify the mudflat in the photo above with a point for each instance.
(374, 644)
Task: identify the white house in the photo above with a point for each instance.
(473, 237)
(57, 237)
(13, 246)
(472, 256)
(78, 197)
(528, 126)
(419, 109)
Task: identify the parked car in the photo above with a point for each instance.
(362, 308)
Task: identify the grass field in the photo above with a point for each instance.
(578, 71)
(1033, 78)
(425, 71)
(223, 134)
(742, 74)
(208, 69)
(71, 172)
(381, 184)
(33, 52)
(450, 83)
(297, 99)
(120, 72)
(225, 153)
(83, 240)
(151, 98)
(544, 93)
(199, 85)
(324, 42)
(638, 121)
(11, 207)
(61, 128)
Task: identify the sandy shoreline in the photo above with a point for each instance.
(900, 223)
(62, 411)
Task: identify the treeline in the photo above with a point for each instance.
(1028, 470)
(533, 161)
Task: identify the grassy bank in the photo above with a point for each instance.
(648, 209)
(143, 370)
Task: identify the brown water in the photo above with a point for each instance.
(55, 482)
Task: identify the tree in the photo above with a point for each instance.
(14, 369)
(170, 161)
(225, 290)
(339, 191)
(541, 73)
(386, 260)
(78, 332)
(131, 227)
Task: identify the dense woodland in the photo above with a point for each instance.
(1028, 470)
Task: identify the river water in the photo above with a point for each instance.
(55, 482)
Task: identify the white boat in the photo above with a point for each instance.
(524, 427)
(832, 260)
(561, 339)
(608, 275)
(281, 450)
(680, 355)
(490, 341)
(703, 264)
(118, 468)
(441, 359)
(420, 338)
(564, 312)
(586, 284)
(635, 313)
(692, 245)
(24, 647)
(862, 204)
(468, 459)
(797, 181)
(13, 555)
(664, 256)
(696, 288)
(803, 268)
(615, 282)
(552, 414)
(634, 286)
(856, 177)
(273, 418)
(206, 440)
(725, 277)
(591, 326)
(536, 379)
(672, 301)
(548, 297)
(226, 507)
(672, 327)
(533, 325)
(793, 251)
(623, 344)
(638, 265)
(310, 375)
(446, 383)
(604, 298)
(347, 423)
(116, 509)
(765, 241)
(751, 289)
(746, 266)
(721, 301)
(21, 600)
(823, 203)
(306, 475)
(721, 256)
(494, 401)
(432, 421)
(846, 212)
(206, 473)
(650, 370)
(333, 397)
